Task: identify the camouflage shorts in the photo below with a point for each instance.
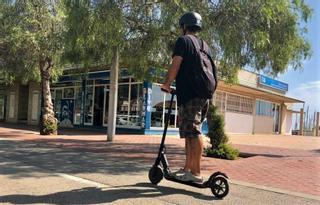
(191, 116)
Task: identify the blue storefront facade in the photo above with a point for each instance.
(82, 101)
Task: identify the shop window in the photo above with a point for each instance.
(233, 103)
(220, 101)
(68, 93)
(136, 104)
(160, 106)
(89, 82)
(101, 82)
(246, 105)
(123, 105)
(77, 105)
(157, 104)
(88, 106)
(124, 80)
(57, 103)
(173, 115)
(264, 108)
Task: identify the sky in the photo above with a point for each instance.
(305, 84)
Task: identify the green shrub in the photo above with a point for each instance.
(224, 151)
(218, 138)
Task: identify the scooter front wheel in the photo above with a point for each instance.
(155, 174)
(219, 187)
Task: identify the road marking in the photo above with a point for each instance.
(82, 180)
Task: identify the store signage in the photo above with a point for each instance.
(272, 83)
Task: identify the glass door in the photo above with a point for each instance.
(98, 106)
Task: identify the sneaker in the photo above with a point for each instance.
(178, 173)
(189, 177)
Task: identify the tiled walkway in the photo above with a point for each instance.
(296, 170)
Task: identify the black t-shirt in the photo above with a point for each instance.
(184, 48)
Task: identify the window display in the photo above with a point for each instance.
(157, 106)
(68, 93)
(88, 106)
(77, 105)
(174, 113)
(136, 104)
(160, 106)
(123, 105)
(57, 103)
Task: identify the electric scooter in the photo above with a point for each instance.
(217, 182)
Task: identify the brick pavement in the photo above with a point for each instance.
(290, 169)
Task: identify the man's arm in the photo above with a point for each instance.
(172, 73)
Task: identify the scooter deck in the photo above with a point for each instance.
(194, 184)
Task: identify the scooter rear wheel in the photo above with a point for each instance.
(219, 187)
(155, 174)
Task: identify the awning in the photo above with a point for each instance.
(256, 93)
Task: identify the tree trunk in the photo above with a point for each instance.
(113, 94)
(48, 123)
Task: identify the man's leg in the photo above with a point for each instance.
(188, 164)
(196, 153)
(187, 149)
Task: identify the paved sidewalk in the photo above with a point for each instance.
(35, 173)
(294, 170)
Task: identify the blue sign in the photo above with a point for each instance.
(272, 83)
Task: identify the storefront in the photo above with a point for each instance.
(84, 102)
(257, 104)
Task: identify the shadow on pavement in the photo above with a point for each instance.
(93, 195)
(78, 156)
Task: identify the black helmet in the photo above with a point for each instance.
(191, 19)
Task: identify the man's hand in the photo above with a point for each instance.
(165, 87)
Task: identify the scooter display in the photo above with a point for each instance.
(217, 182)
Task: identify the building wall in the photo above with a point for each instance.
(248, 78)
(12, 104)
(283, 119)
(288, 123)
(234, 123)
(34, 103)
(263, 125)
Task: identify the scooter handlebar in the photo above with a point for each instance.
(172, 92)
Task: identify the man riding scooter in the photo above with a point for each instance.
(193, 104)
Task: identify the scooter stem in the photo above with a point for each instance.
(167, 118)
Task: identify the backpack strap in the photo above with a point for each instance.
(204, 47)
(195, 42)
